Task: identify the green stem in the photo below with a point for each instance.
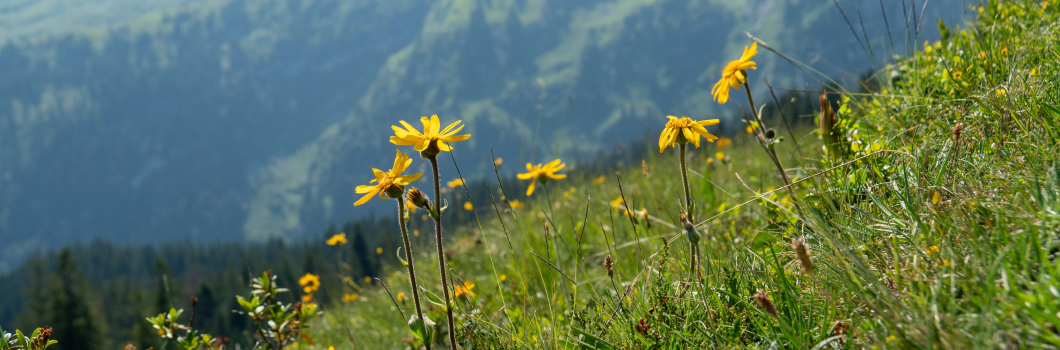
(684, 181)
(411, 266)
(761, 132)
(441, 253)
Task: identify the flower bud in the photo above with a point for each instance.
(418, 199)
(770, 134)
(690, 229)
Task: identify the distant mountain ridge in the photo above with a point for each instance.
(250, 119)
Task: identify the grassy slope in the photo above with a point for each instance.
(929, 242)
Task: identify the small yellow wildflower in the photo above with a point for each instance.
(515, 204)
(390, 181)
(933, 250)
(599, 180)
(349, 297)
(618, 203)
(720, 156)
(379, 250)
(464, 289)
(1000, 92)
(891, 338)
(734, 74)
(468, 206)
(430, 137)
(683, 130)
(338, 239)
(401, 296)
(982, 54)
(750, 129)
(504, 278)
(310, 282)
(723, 142)
(416, 232)
(307, 298)
(498, 162)
(455, 183)
(542, 173)
(367, 279)
(710, 160)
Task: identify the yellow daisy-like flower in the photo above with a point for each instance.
(401, 296)
(468, 206)
(515, 204)
(409, 136)
(310, 282)
(541, 173)
(307, 298)
(389, 181)
(349, 297)
(455, 183)
(464, 289)
(338, 239)
(379, 250)
(684, 129)
(735, 73)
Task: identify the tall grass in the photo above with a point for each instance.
(936, 224)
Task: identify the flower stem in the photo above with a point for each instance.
(761, 132)
(441, 253)
(684, 181)
(411, 265)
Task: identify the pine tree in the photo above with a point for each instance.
(162, 302)
(76, 325)
(361, 252)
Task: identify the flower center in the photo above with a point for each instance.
(684, 122)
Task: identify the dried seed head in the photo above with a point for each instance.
(957, 130)
(644, 167)
(803, 253)
(609, 264)
(762, 298)
(643, 327)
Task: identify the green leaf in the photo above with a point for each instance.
(586, 341)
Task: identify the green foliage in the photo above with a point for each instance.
(38, 340)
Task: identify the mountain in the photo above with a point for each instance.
(254, 119)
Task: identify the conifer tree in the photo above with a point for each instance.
(76, 325)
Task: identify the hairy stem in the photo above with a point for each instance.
(761, 132)
(441, 252)
(411, 265)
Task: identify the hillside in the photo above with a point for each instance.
(231, 120)
(930, 220)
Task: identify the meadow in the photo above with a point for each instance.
(922, 211)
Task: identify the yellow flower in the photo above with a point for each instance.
(750, 129)
(734, 74)
(684, 129)
(957, 75)
(618, 203)
(430, 135)
(504, 278)
(379, 250)
(720, 156)
(338, 239)
(389, 181)
(464, 289)
(401, 296)
(310, 281)
(542, 173)
(599, 180)
(498, 162)
(455, 183)
(710, 160)
(891, 338)
(416, 232)
(307, 298)
(468, 206)
(367, 279)
(515, 204)
(723, 142)
(1000, 92)
(349, 297)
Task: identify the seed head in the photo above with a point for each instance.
(957, 130)
(770, 134)
(690, 229)
(803, 253)
(762, 298)
(609, 264)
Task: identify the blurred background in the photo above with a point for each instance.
(243, 120)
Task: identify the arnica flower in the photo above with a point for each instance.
(309, 282)
(464, 289)
(468, 206)
(338, 239)
(307, 298)
(515, 204)
(724, 142)
(684, 130)
(401, 296)
(349, 297)
(427, 142)
(542, 173)
(734, 74)
(389, 183)
(455, 183)
(379, 250)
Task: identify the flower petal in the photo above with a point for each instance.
(411, 129)
(690, 136)
(407, 179)
(401, 142)
(366, 189)
(558, 176)
(366, 198)
(530, 190)
(435, 124)
(450, 127)
(526, 176)
(456, 138)
(422, 145)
